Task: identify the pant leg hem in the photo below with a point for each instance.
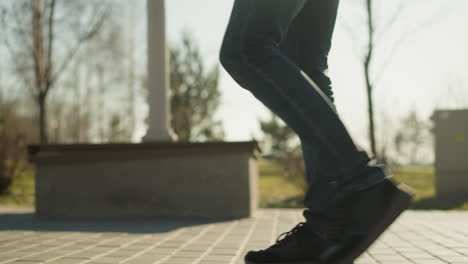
(370, 179)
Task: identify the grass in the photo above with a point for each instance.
(22, 191)
(421, 179)
(276, 191)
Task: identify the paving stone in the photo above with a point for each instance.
(66, 261)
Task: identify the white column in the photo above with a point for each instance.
(158, 75)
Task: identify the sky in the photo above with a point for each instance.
(419, 72)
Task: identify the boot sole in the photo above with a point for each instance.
(399, 203)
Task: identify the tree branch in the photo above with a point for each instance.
(404, 37)
(352, 34)
(390, 22)
(95, 27)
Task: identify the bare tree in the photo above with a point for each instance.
(93, 92)
(413, 141)
(278, 137)
(12, 144)
(376, 31)
(38, 49)
(367, 64)
(79, 130)
(284, 147)
(455, 96)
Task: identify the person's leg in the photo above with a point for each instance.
(307, 44)
(361, 216)
(251, 54)
(308, 41)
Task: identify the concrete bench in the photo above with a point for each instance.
(161, 179)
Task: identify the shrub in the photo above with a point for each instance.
(12, 153)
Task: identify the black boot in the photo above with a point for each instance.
(298, 246)
(369, 213)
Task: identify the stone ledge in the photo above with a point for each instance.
(149, 180)
(110, 151)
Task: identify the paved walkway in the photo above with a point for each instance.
(417, 237)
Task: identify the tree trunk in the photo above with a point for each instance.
(39, 64)
(368, 59)
(41, 100)
(370, 104)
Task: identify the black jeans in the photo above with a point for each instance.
(277, 50)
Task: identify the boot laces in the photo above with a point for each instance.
(284, 236)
